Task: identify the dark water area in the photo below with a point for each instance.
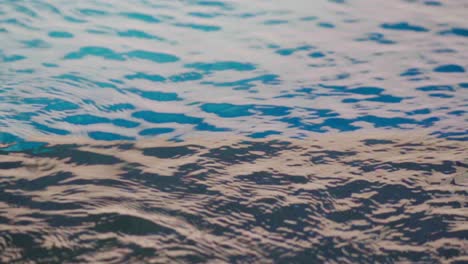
(339, 199)
(260, 131)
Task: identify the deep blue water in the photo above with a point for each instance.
(259, 74)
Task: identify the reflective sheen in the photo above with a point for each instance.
(229, 131)
(354, 198)
(255, 68)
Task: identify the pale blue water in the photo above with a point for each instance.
(114, 70)
(258, 74)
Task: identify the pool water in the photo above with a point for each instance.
(233, 131)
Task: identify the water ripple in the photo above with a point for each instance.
(377, 198)
(325, 62)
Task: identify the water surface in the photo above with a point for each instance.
(259, 131)
(114, 70)
(340, 199)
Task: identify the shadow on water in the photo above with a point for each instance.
(341, 198)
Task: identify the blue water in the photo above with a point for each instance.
(76, 76)
(113, 70)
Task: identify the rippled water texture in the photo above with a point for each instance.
(372, 200)
(259, 131)
(126, 70)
